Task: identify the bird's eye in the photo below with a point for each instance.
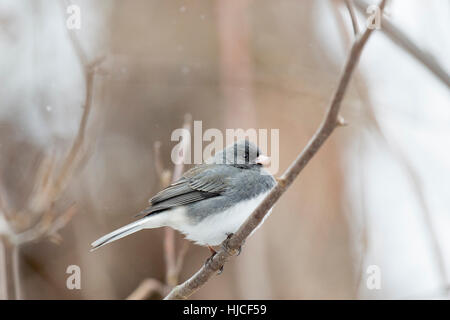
(247, 155)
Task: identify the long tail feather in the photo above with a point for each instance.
(147, 222)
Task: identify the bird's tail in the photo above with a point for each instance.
(152, 221)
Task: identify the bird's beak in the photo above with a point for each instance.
(263, 160)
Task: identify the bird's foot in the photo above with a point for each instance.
(209, 260)
(213, 253)
(226, 247)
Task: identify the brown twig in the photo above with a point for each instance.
(49, 185)
(401, 39)
(174, 261)
(3, 271)
(357, 80)
(146, 288)
(46, 227)
(351, 11)
(163, 174)
(169, 239)
(69, 165)
(183, 291)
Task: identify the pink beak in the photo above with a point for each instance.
(263, 160)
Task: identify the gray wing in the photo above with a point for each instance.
(199, 183)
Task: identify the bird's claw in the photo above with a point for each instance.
(213, 253)
(220, 271)
(209, 260)
(226, 247)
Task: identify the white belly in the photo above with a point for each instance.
(214, 229)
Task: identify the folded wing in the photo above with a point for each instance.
(199, 183)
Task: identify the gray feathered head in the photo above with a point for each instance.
(241, 154)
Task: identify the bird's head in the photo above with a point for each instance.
(242, 154)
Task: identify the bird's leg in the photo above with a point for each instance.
(225, 246)
(213, 253)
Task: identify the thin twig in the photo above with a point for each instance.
(48, 186)
(186, 289)
(351, 11)
(169, 239)
(44, 228)
(416, 184)
(173, 261)
(16, 272)
(403, 159)
(146, 288)
(357, 80)
(401, 39)
(69, 164)
(179, 166)
(3, 271)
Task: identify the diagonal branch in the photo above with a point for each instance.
(436, 248)
(328, 125)
(351, 11)
(401, 39)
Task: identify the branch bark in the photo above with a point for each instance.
(328, 125)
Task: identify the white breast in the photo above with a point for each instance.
(215, 228)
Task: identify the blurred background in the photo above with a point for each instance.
(81, 110)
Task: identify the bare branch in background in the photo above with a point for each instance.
(351, 11)
(3, 272)
(174, 261)
(232, 245)
(169, 238)
(39, 220)
(164, 175)
(147, 288)
(48, 226)
(50, 187)
(358, 79)
(401, 39)
(413, 176)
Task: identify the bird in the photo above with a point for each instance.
(210, 201)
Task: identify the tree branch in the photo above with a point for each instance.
(41, 220)
(146, 288)
(169, 238)
(405, 43)
(328, 125)
(174, 261)
(401, 39)
(351, 11)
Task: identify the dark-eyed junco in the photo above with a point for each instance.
(210, 201)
